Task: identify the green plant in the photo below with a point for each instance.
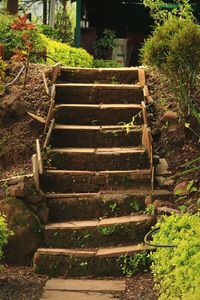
(130, 265)
(135, 205)
(104, 45)
(100, 63)
(113, 207)
(150, 209)
(4, 234)
(65, 54)
(190, 188)
(174, 51)
(176, 270)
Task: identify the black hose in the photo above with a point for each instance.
(149, 234)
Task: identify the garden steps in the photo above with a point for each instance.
(97, 114)
(91, 233)
(98, 93)
(105, 75)
(84, 262)
(68, 181)
(85, 206)
(99, 159)
(96, 176)
(95, 136)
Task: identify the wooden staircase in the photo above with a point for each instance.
(96, 171)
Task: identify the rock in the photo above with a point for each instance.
(164, 181)
(11, 106)
(167, 210)
(160, 203)
(162, 168)
(170, 116)
(17, 190)
(181, 189)
(27, 231)
(34, 198)
(177, 133)
(43, 214)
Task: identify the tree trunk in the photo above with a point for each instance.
(52, 13)
(45, 11)
(12, 7)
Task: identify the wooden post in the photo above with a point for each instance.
(39, 157)
(35, 171)
(52, 13)
(78, 24)
(12, 7)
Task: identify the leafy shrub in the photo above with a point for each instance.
(174, 50)
(4, 233)
(67, 55)
(100, 63)
(176, 270)
(12, 39)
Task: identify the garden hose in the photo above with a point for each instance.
(149, 234)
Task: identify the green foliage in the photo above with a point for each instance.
(174, 50)
(100, 63)
(67, 55)
(12, 39)
(104, 45)
(131, 265)
(176, 270)
(150, 209)
(4, 233)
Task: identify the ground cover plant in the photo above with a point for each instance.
(176, 270)
(173, 50)
(4, 233)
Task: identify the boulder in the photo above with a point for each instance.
(27, 231)
(170, 117)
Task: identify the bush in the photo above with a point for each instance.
(67, 55)
(174, 50)
(176, 270)
(12, 39)
(4, 233)
(100, 63)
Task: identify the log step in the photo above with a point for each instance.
(99, 159)
(98, 93)
(95, 136)
(100, 75)
(92, 233)
(85, 206)
(61, 181)
(84, 262)
(102, 114)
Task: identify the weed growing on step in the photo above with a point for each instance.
(130, 265)
(150, 209)
(135, 206)
(113, 207)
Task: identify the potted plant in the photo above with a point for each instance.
(104, 46)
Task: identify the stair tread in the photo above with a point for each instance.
(108, 192)
(101, 106)
(121, 69)
(98, 223)
(91, 127)
(101, 85)
(99, 150)
(77, 172)
(111, 251)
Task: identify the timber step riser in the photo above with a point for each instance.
(93, 182)
(100, 76)
(95, 138)
(91, 116)
(75, 266)
(106, 236)
(98, 95)
(97, 206)
(100, 162)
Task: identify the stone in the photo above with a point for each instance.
(27, 230)
(164, 181)
(181, 189)
(167, 210)
(11, 106)
(170, 116)
(177, 133)
(159, 203)
(43, 214)
(17, 190)
(162, 168)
